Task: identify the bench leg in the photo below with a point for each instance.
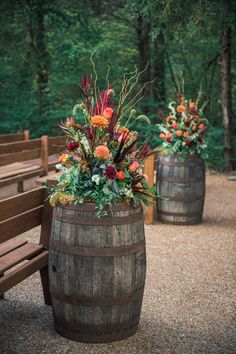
(45, 285)
(20, 187)
(1, 296)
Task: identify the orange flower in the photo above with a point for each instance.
(201, 126)
(180, 108)
(120, 175)
(169, 135)
(107, 113)
(102, 152)
(63, 158)
(124, 132)
(185, 134)
(179, 133)
(169, 118)
(99, 122)
(133, 166)
(162, 135)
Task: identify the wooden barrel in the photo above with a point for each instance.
(97, 272)
(182, 182)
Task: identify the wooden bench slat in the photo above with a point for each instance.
(13, 147)
(7, 138)
(20, 254)
(58, 140)
(10, 245)
(19, 156)
(20, 203)
(21, 177)
(20, 223)
(22, 272)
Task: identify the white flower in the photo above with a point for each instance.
(96, 179)
(84, 141)
(127, 192)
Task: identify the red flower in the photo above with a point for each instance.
(73, 145)
(120, 175)
(168, 140)
(110, 172)
(187, 142)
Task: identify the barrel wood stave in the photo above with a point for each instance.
(182, 182)
(116, 279)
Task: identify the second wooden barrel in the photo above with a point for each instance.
(182, 184)
(97, 271)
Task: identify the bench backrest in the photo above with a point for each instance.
(20, 151)
(31, 149)
(8, 138)
(23, 212)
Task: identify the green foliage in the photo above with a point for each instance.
(215, 140)
(40, 76)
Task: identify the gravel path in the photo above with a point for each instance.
(190, 296)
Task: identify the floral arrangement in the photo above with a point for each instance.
(183, 130)
(102, 163)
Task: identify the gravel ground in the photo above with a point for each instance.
(189, 301)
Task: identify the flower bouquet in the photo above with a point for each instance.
(184, 128)
(101, 162)
(180, 167)
(94, 259)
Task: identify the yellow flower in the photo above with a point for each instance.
(60, 198)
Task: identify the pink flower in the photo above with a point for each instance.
(174, 125)
(133, 166)
(102, 152)
(107, 113)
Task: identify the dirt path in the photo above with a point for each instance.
(190, 296)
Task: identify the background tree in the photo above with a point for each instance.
(46, 45)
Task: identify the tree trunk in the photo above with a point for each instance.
(40, 54)
(143, 33)
(158, 65)
(226, 95)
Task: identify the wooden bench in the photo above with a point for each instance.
(9, 138)
(19, 214)
(26, 159)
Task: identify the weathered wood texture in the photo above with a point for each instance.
(26, 159)
(17, 215)
(8, 138)
(149, 172)
(182, 183)
(97, 272)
